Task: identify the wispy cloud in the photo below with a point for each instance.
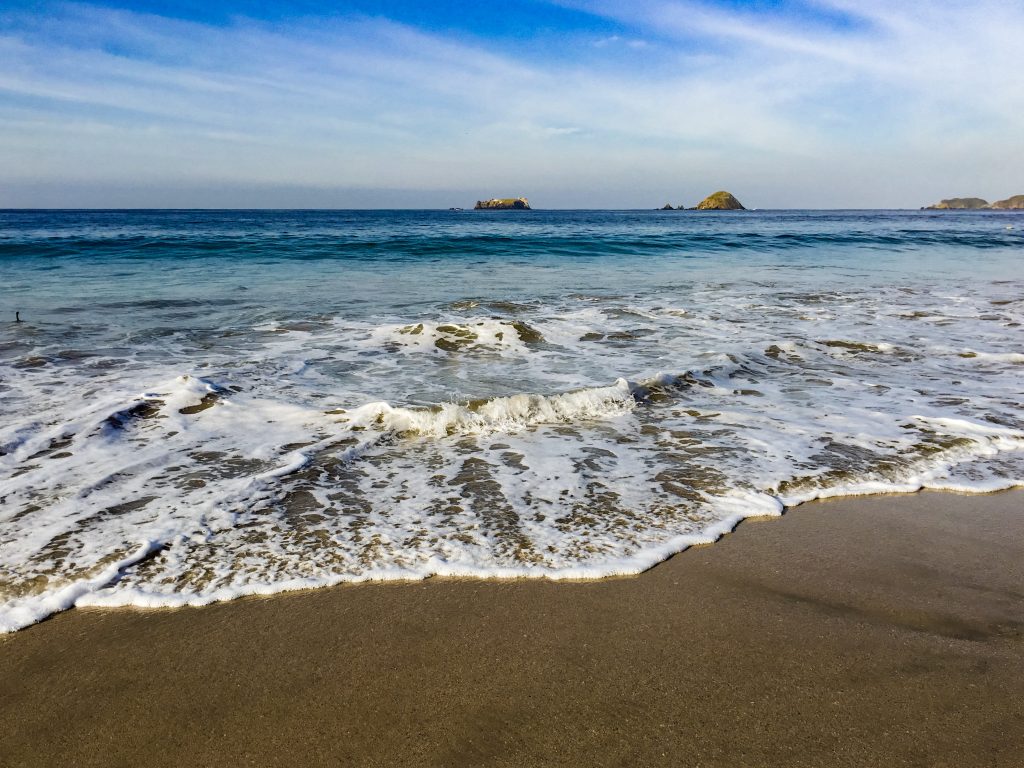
(945, 56)
(788, 108)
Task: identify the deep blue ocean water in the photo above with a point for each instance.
(201, 404)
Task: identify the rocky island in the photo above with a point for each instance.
(503, 204)
(959, 204)
(719, 201)
(1015, 203)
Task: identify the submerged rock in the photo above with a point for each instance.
(503, 204)
(959, 204)
(1015, 203)
(720, 201)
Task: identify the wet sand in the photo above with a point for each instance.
(886, 631)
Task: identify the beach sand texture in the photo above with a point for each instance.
(882, 631)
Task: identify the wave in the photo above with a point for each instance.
(499, 414)
(186, 400)
(340, 246)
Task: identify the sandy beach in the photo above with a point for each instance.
(879, 631)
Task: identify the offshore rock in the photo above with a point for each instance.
(1015, 203)
(503, 204)
(720, 201)
(959, 204)
(667, 207)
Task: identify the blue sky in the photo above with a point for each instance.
(575, 103)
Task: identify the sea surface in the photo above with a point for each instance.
(199, 404)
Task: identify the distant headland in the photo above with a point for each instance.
(1015, 203)
(503, 204)
(719, 201)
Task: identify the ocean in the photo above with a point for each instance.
(198, 405)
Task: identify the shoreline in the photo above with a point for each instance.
(873, 630)
(635, 565)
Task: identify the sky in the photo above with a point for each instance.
(572, 103)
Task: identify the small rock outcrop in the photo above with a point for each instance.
(1015, 203)
(667, 207)
(720, 201)
(503, 204)
(959, 204)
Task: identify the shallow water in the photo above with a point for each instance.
(200, 405)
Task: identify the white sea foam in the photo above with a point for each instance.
(587, 437)
(500, 414)
(20, 612)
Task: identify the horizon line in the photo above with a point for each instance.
(455, 209)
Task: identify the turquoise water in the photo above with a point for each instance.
(311, 261)
(205, 404)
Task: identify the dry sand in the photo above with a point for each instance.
(886, 631)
